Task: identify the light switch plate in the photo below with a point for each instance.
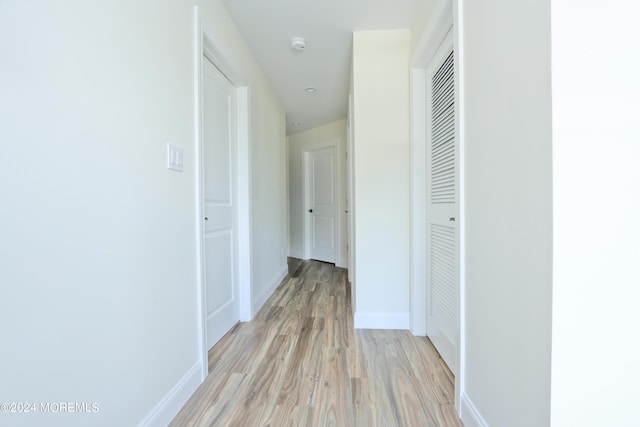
(174, 157)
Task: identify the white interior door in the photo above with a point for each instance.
(220, 204)
(442, 207)
(322, 204)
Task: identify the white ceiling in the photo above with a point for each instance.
(327, 26)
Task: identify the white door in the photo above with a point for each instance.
(321, 203)
(442, 207)
(220, 204)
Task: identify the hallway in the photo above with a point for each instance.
(300, 362)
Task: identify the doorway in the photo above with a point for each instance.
(222, 174)
(437, 220)
(321, 204)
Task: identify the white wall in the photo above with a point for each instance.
(269, 190)
(507, 144)
(422, 18)
(317, 137)
(596, 178)
(381, 177)
(97, 253)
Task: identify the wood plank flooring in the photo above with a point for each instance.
(301, 363)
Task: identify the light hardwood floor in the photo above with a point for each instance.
(301, 363)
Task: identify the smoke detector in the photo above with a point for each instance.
(298, 43)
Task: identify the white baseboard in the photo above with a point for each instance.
(259, 302)
(381, 321)
(469, 414)
(342, 263)
(166, 410)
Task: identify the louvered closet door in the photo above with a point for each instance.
(442, 207)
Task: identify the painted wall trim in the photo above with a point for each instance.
(166, 410)
(417, 290)
(245, 249)
(198, 52)
(459, 75)
(351, 237)
(259, 302)
(381, 321)
(469, 414)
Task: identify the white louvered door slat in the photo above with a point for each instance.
(442, 238)
(443, 160)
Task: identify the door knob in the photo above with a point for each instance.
(452, 219)
(310, 210)
(206, 218)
